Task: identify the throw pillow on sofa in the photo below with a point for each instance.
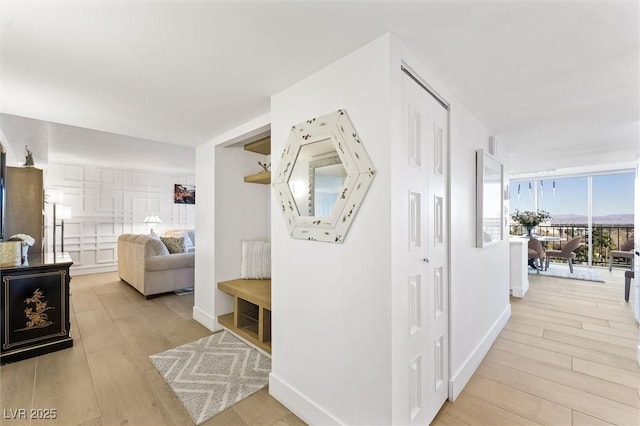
(182, 234)
(174, 244)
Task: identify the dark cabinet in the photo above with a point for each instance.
(34, 304)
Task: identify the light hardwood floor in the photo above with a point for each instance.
(107, 378)
(566, 357)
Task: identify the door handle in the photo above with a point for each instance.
(425, 260)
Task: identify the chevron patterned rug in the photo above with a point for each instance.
(213, 373)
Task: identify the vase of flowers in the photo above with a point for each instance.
(530, 219)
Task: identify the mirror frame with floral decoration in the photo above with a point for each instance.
(360, 173)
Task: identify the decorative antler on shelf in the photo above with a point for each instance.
(265, 166)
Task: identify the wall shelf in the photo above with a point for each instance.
(263, 178)
(261, 146)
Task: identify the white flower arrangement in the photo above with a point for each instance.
(26, 239)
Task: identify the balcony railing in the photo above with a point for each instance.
(604, 239)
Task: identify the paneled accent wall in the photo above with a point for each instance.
(107, 202)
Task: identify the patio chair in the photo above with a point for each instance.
(536, 253)
(626, 251)
(565, 252)
(628, 275)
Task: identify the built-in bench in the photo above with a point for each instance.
(251, 316)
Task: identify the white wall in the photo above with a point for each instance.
(204, 270)
(241, 213)
(109, 201)
(13, 160)
(59, 143)
(331, 312)
(333, 320)
(479, 277)
(205, 300)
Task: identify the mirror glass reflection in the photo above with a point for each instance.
(317, 179)
(492, 207)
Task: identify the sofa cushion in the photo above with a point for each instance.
(174, 244)
(175, 261)
(187, 241)
(188, 234)
(152, 246)
(182, 234)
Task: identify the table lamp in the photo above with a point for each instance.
(151, 219)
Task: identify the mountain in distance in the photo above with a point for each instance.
(611, 219)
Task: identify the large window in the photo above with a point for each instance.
(612, 197)
(598, 208)
(522, 195)
(566, 199)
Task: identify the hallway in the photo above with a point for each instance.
(566, 357)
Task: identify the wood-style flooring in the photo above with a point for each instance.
(566, 357)
(106, 378)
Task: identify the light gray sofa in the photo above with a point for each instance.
(144, 262)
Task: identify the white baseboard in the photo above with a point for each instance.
(460, 378)
(520, 292)
(299, 404)
(205, 319)
(92, 269)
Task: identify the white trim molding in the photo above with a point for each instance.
(310, 412)
(92, 269)
(460, 378)
(205, 319)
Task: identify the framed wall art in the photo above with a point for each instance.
(184, 194)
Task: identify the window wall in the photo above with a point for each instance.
(597, 207)
(612, 211)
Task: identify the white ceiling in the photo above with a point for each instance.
(60, 143)
(557, 82)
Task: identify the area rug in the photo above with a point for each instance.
(213, 373)
(562, 271)
(184, 291)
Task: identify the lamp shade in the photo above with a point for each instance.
(152, 219)
(65, 213)
(54, 196)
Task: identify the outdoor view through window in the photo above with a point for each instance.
(567, 201)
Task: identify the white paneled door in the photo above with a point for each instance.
(425, 139)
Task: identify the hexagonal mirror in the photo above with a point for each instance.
(323, 176)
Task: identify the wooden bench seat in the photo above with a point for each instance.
(251, 316)
(254, 291)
